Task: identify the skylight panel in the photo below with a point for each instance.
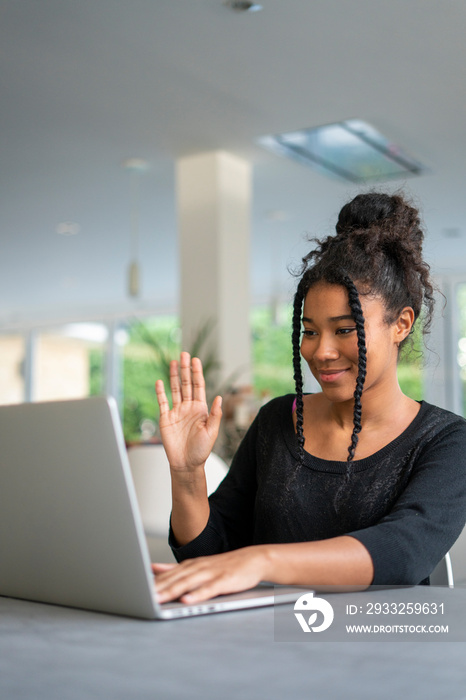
(350, 150)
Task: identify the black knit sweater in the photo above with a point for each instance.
(406, 503)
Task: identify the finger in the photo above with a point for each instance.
(198, 380)
(175, 383)
(160, 567)
(215, 416)
(201, 586)
(161, 398)
(179, 578)
(170, 576)
(205, 592)
(185, 585)
(186, 379)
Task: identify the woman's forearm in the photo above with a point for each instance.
(339, 561)
(190, 505)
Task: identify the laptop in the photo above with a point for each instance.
(70, 529)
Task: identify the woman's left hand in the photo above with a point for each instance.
(195, 580)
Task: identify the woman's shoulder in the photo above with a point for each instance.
(279, 404)
(436, 425)
(273, 417)
(286, 404)
(441, 416)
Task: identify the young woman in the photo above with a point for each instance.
(355, 485)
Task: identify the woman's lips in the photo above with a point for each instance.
(331, 375)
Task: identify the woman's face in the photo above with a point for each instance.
(330, 344)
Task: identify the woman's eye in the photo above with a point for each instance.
(345, 331)
(308, 333)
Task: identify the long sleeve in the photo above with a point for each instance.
(427, 518)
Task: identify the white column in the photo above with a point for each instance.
(213, 200)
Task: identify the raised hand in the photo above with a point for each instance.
(188, 430)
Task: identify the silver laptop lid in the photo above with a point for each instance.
(70, 529)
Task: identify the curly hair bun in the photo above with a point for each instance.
(365, 210)
(391, 220)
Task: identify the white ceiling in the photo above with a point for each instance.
(86, 84)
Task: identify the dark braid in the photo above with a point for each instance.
(297, 372)
(356, 312)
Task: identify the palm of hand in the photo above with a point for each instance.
(188, 430)
(186, 435)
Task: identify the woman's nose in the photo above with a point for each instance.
(326, 349)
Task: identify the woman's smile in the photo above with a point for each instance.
(331, 375)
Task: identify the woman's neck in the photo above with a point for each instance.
(377, 407)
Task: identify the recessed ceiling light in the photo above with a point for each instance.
(243, 6)
(136, 164)
(69, 282)
(350, 150)
(68, 228)
(452, 232)
(276, 215)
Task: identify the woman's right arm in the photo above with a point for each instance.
(188, 433)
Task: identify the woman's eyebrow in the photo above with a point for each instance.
(345, 317)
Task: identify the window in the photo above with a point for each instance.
(69, 361)
(271, 351)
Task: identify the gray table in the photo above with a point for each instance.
(48, 652)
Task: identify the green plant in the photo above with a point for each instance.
(166, 350)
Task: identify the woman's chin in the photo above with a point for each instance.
(337, 394)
